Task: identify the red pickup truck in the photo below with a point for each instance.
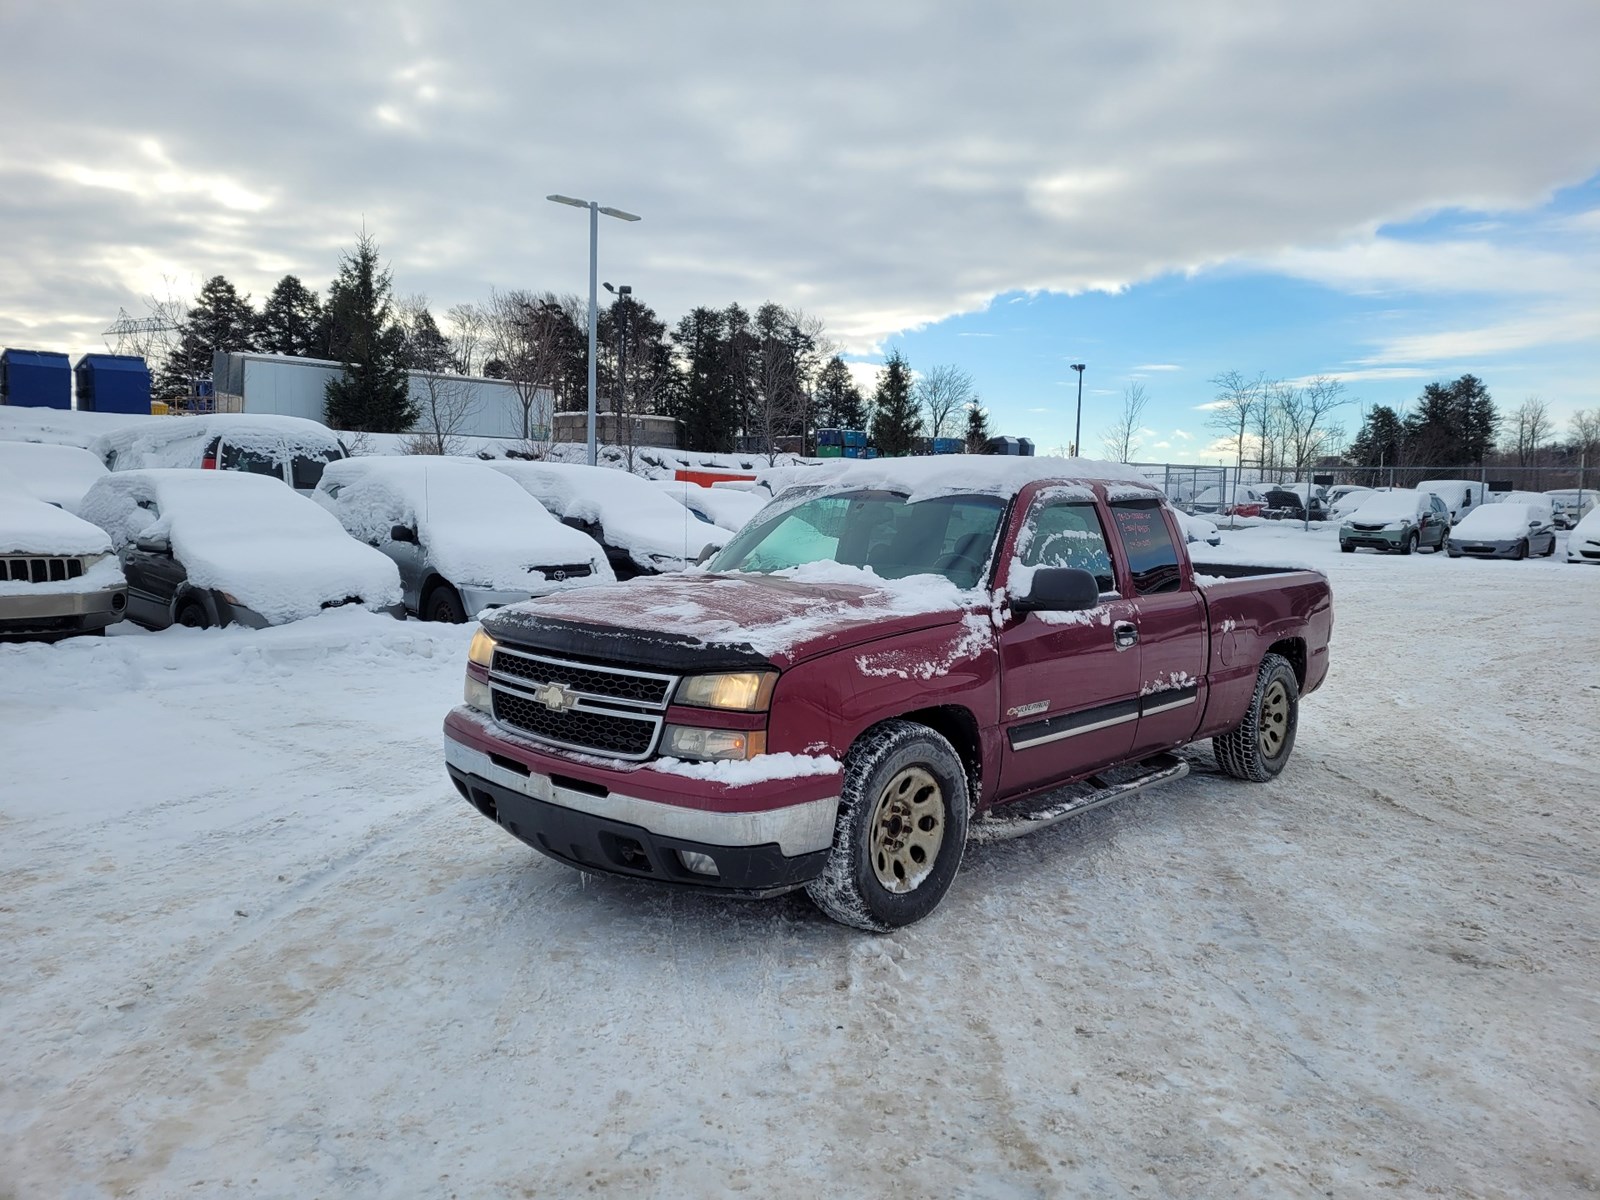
(890, 659)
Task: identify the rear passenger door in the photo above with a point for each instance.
(1170, 617)
(1069, 682)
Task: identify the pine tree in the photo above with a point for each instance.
(373, 393)
(424, 347)
(840, 404)
(221, 319)
(291, 321)
(896, 420)
(977, 428)
(703, 399)
(1381, 441)
(1476, 416)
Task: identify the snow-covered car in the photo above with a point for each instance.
(1506, 530)
(1198, 529)
(1583, 543)
(292, 449)
(729, 507)
(58, 575)
(202, 549)
(642, 530)
(464, 536)
(1349, 500)
(1544, 502)
(56, 474)
(1460, 496)
(1402, 519)
(1239, 500)
(1290, 501)
(1573, 504)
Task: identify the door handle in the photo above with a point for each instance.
(1124, 634)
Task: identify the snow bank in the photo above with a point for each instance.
(762, 769)
(57, 474)
(477, 527)
(1500, 522)
(247, 535)
(28, 525)
(632, 513)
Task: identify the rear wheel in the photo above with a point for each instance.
(1260, 746)
(442, 603)
(900, 831)
(192, 615)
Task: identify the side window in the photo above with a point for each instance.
(1069, 535)
(1152, 557)
(254, 462)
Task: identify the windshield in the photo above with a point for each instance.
(951, 536)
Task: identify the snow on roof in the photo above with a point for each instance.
(1390, 506)
(56, 474)
(178, 441)
(1501, 522)
(633, 514)
(947, 474)
(29, 525)
(477, 527)
(248, 535)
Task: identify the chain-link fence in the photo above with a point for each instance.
(1185, 483)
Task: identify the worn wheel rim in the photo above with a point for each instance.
(907, 830)
(1274, 719)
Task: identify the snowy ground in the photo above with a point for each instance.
(251, 943)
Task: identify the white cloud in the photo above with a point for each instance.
(1181, 435)
(1158, 367)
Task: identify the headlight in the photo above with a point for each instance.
(687, 741)
(481, 652)
(738, 691)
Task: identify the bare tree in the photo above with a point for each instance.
(943, 391)
(1121, 440)
(446, 406)
(523, 330)
(1586, 440)
(1304, 420)
(1238, 400)
(468, 332)
(778, 407)
(1531, 428)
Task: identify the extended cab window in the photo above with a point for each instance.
(1068, 535)
(1152, 557)
(253, 462)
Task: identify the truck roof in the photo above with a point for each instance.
(944, 474)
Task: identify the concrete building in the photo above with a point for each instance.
(297, 387)
(648, 430)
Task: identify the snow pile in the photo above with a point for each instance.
(28, 525)
(1500, 523)
(56, 474)
(727, 506)
(182, 441)
(762, 769)
(1380, 508)
(477, 528)
(65, 427)
(247, 535)
(631, 513)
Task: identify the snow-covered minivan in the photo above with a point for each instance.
(1460, 496)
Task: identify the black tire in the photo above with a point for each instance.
(893, 769)
(192, 615)
(1346, 548)
(1410, 543)
(1522, 550)
(1552, 549)
(1258, 749)
(442, 603)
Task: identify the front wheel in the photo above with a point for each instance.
(192, 615)
(1410, 543)
(900, 831)
(1346, 548)
(1259, 747)
(443, 604)
(1522, 549)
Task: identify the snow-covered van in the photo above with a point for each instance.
(292, 449)
(1460, 496)
(890, 659)
(58, 575)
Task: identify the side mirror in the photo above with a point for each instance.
(403, 533)
(1059, 589)
(154, 543)
(1534, 524)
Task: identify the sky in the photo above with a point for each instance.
(1386, 194)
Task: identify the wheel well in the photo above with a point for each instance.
(1293, 649)
(960, 728)
(432, 581)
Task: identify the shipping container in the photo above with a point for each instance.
(113, 383)
(35, 379)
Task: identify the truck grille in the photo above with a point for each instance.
(39, 569)
(593, 707)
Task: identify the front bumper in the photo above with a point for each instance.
(62, 612)
(1584, 552)
(1374, 539)
(764, 838)
(1459, 549)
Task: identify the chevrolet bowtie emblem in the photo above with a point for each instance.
(555, 697)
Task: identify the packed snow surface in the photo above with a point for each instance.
(29, 525)
(1500, 523)
(247, 535)
(252, 943)
(477, 527)
(59, 475)
(633, 514)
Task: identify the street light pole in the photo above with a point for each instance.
(1077, 426)
(595, 209)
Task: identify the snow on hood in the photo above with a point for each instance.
(788, 615)
(56, 474)
(28, 525)
(479, 529)
(1399, 505)
(247, 535)
(1499, 523)
(634, 515)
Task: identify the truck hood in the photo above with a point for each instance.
(721, 622)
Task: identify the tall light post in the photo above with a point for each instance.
(1077, 426)
(595, 209)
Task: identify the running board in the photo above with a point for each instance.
(1030, 816)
